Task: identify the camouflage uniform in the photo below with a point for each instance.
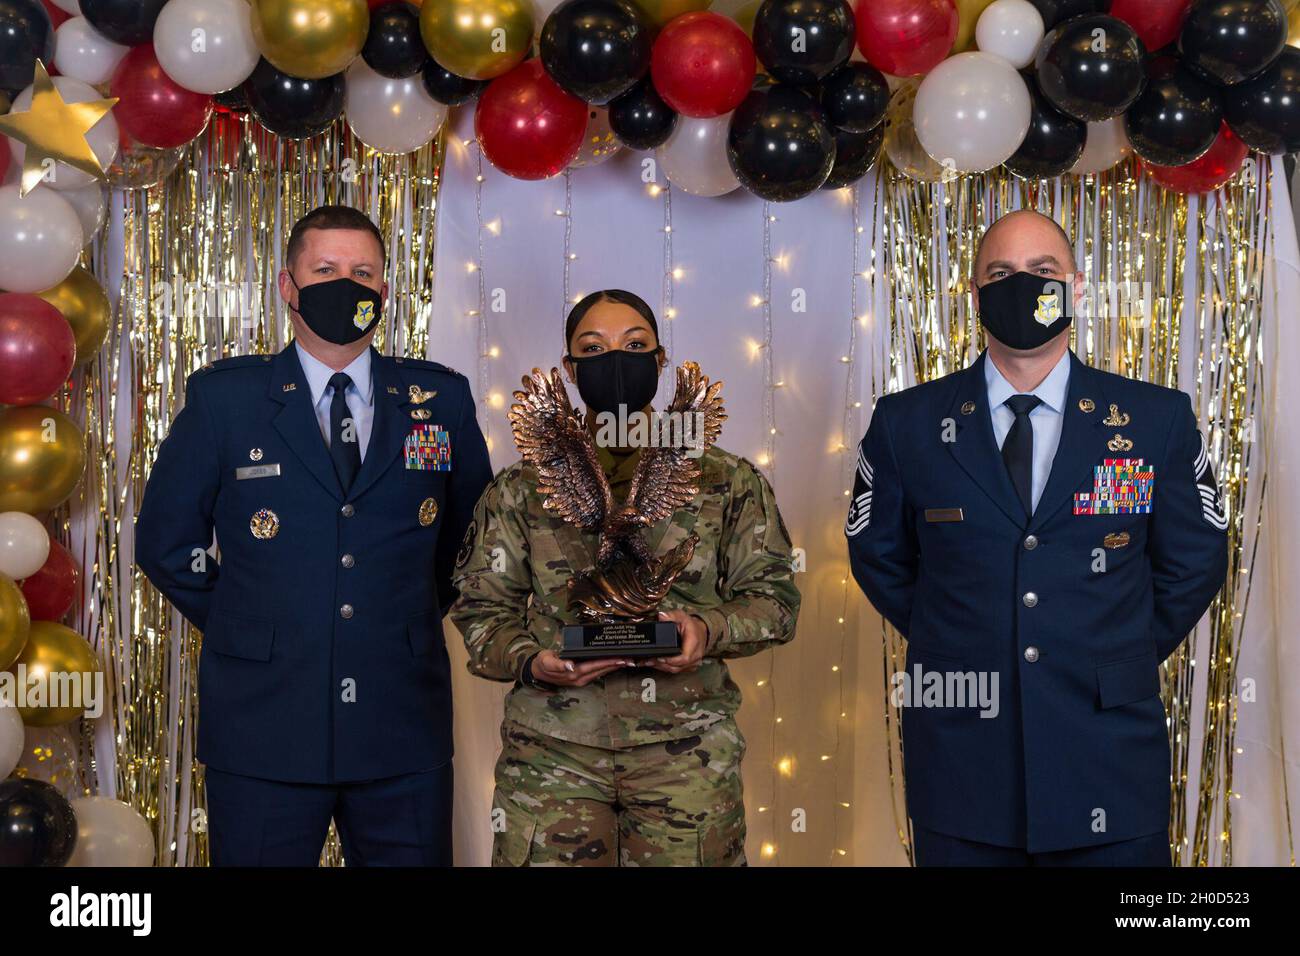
(641, 758)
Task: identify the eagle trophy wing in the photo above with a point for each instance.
(552, 437)
(668, 475)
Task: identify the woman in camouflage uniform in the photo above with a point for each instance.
(620, 762)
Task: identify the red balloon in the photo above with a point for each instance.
(51, 590)
(57, 16)
(906, 37)
(1157, 22)
(703, 64)
(37, 349)
(1219, 164)
(526, 125)
(154, 110)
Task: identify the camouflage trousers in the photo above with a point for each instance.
(675, 803)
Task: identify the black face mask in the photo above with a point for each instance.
(339, 311)
(1023, 311)
(617, 377)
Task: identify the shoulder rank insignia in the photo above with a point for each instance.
(1116, 417)
(419, 396)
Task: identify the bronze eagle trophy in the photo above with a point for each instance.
(618, 598)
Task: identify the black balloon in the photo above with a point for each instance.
(291, 106)
(129, 22)
(1091, 67)
(855, 97)
(232, 101)
(1057, 11)
(37, 825)
(1053, 143)
(640, 118)
(803, 41)
(1232, 40)
(446, 87)
(855, 153)
(1177, 117)
(26, 34)
(595, 49)
(779, 145)
(393, 45)
(1265, 111)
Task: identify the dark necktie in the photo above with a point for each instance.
(1018, 448)
(345, 443)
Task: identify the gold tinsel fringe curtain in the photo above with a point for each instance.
(1177, 285)
(194, 280)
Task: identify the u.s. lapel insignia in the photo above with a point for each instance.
(1116, 417)
(1087, 405)
(265, 524)
(255, 454)
(1116, 539)
(393, 390)
(1120, 443)
(421, 414)
(419, 396)
(968, 408)
(428, 511)
(291, 387)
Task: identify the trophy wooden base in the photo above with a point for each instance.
(626, 639)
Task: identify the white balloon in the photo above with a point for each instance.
(103, 136)
(1010, 29)
(971, 112)
(110, 833)
(1106, 144)
(91, 205)
(11, 738)
(69, 6)
(24, 545)
(41, 238)
(228, 53)
(83, 53)
(392, 116)
(694, 157)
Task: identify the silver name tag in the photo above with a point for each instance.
(257, 471)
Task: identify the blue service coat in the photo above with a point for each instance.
(323, 657)
(1072, 613)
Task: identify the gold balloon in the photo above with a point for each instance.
(15, 622)
(42, 456)
(53, 649)
(311, 39)
(1293, 25)
(84, 304)
(659, 12)
(901, 145)
(479, 39)
(968, 14)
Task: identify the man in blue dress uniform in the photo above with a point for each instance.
(1044, 534)
(339, 484)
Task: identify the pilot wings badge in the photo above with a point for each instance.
(618, 599)
(1049, 309)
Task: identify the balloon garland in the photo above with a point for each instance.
(1026, 83)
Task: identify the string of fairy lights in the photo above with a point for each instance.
(480, 313)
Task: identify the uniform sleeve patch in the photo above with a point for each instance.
(1212, 506)
(860, 506)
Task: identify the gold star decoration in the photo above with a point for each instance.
(53, 129)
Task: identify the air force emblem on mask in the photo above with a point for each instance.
(1049, 309)
(364, 315)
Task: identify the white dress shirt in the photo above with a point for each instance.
(1045, 420)
(359, 395)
